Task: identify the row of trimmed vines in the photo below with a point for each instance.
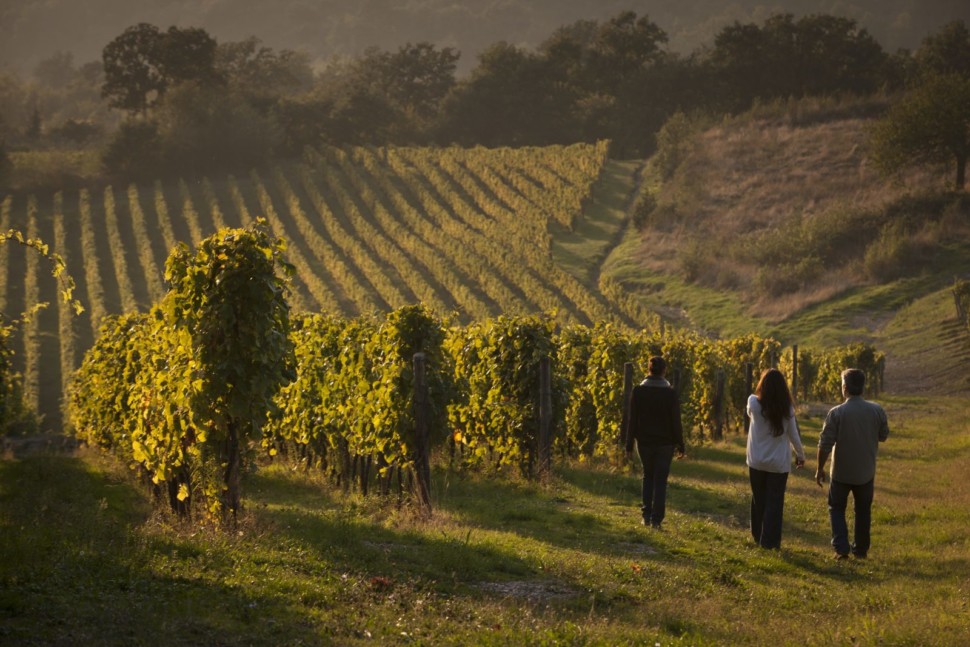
(192, 392)
(371, 230)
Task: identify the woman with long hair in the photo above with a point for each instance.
(772, 435)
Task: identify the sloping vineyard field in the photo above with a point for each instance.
(467, 232)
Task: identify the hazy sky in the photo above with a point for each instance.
(32, 30)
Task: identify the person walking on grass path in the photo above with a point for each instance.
(851, 434)
(772, 436)
(655, 425)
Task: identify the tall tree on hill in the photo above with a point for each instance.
(403, 90)
(947, 51)
(143, 62)
(415, 78)
(817, 54)
(930, 124)
(262, 74)
(510, 99)
(609, 75)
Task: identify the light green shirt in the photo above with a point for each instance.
(852, 433)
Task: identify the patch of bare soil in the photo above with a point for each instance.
(531, 590)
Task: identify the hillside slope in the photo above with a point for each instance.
(776, 223)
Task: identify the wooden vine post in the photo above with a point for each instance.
(794, 369)
(748, 385)
(422, 462)
(627, 395)
(719, 409)
(545, 416)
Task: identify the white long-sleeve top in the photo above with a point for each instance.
(770, 453)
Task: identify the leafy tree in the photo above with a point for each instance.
(387, 96)
(143, 62)
(196, 129)
(133, 74)
(260, 73)
(946, 52)
(133, 152)
(203, 128)
(414, 79)
(817, 54)
(609, 77)
(624, 46)
(510, 99)
(304, 122)
(930, 124)
(362, 117)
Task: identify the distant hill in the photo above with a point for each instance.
(32, 30)
(775, 222)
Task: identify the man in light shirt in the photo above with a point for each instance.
(851, 434)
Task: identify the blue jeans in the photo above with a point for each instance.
(656, 468)
(838, 501)
(767, 506)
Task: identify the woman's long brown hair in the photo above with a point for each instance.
(775, 399)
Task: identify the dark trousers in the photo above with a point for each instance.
(767, 506)
(838, 501)
(656, 469)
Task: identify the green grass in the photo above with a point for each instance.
(583, 250)
(680, 302)
(501, 561)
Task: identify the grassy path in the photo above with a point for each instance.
(502, 561)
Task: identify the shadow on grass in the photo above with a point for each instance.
(273, 486)
(75, 569)
(367, 551)
(546, 513)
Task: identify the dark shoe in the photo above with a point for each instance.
(841, 556)
(859, 555)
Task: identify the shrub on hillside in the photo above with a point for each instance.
(134, 151)
(961, 299)
(891, 254)
(675, 141)
(784, 278)
(195, 131)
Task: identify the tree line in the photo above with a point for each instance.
(189, 104)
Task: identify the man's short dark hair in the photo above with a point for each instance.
(854, 381)
(657, 365)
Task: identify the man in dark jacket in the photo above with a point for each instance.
(655, 426)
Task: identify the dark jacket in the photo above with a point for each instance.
(654, 415)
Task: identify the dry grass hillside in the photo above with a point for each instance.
(785, 208)
(777, 222)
